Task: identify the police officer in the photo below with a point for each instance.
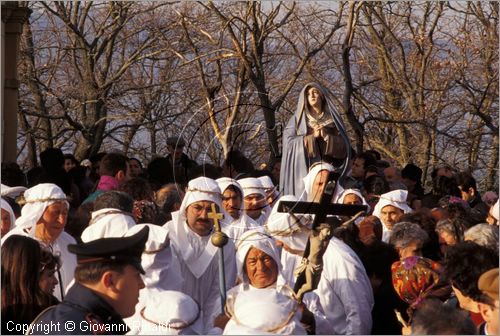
(106, 289)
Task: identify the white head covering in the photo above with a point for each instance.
(396, 198)
(252, 185)
(266, 310)
(170, 313)
(225, 182)
(6, 206)
(258, 239)
(13, 192)
(162, 269)
(199, 189)
(291, 229)
(37, 200)
(311, 176)
(107, 223)
(266, 182)
(355, 192)
(494, 210)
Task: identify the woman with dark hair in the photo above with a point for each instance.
(145, 209)
(22, 295)
(50, 264)
(70, 162)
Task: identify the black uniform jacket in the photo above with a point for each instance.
(81, 313)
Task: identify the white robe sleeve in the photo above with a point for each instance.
(345, 291)
(312, 302)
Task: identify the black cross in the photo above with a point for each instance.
(321, 210)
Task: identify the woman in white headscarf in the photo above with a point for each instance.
(259, 267)
(314, 133)
(44, 217)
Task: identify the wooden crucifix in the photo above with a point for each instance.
(309, 272)
(219, 239)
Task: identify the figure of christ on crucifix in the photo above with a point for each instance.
(309, 271)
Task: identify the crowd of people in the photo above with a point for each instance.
(106, 245)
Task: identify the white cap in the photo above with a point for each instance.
(261, 241)
(396, 198)
(252, 185)
(107, 223)
(266, 181)
(171, 313)
(13, 192)
(225, 182)
(355, 192)
(37, 200)
(290, 229)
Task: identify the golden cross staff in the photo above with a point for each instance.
(219, 239)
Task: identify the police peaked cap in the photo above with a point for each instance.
(126, 250)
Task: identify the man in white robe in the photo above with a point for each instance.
(232, 199)
(162, 271)
(30, 223)
(190, 230)
(315, 182)
(108, 223)
(389, 209)
(254, 200)
(345, 291)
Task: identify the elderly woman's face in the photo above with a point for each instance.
(261, 269)
(414, 248)
(446, 239)
(54, 218)
(314, 97)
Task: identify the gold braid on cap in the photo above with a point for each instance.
(178, 324)
(110, 212)
(255, 233)
(163, 246)
(21, 200)
(229, 310)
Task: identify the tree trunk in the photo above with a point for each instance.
(491, 182)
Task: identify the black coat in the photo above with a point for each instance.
(81, 313)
